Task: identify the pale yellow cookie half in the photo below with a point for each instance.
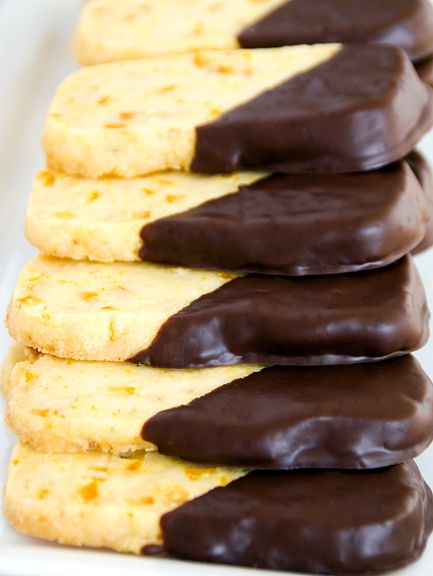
(99, 500)
(138, 117)
(111, 30)
(58, 405)
(95, 311)
(101, 219)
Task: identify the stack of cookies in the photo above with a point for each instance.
(213, 352)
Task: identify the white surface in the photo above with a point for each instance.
(34, 45)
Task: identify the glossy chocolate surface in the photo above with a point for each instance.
(342, 319)
(406, 23)
(313, 521)
(293, 224)
(356, 416)
(423, 172)
(425, 70)
(362, 109)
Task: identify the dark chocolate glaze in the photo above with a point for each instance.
(423, 172)
(342, 319)
(293, 224)
(152, 550)
(405, 23)
(425, 70)
(362, 109)
(358, 416)
(313, 521)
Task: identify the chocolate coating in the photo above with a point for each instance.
(425, 70)
(316, 521)
(152, 550)
(405, 23)
(342, 319)
(423, 172)
(362, 109)
(358, 416)
(294, 224)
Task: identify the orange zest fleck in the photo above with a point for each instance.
(89, 491)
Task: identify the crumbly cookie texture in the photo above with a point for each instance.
(17, 352)
(99, 500)
(101, 219)
(58, 405)
(93, 311)
(138, 117)
(112, 30)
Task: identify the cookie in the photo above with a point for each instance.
(111, 30)
(244, 222)
(276, 418)
(317, 522)
(16, 353)
(216, 112)
(101, 220)
(120, 305)
(98, 500)
(182, 318)
(58, 405)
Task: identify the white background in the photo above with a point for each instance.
(35, 38)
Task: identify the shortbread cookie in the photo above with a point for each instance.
(58, 405)
(112, 30)
(104, 501)
(15, 354)
(276, 224)
(181, 318)
(101, 220)
(322, 522)
(91, 311)
(278, 418)
(99, 500)
(296, 109)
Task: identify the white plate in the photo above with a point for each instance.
(34, 56)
